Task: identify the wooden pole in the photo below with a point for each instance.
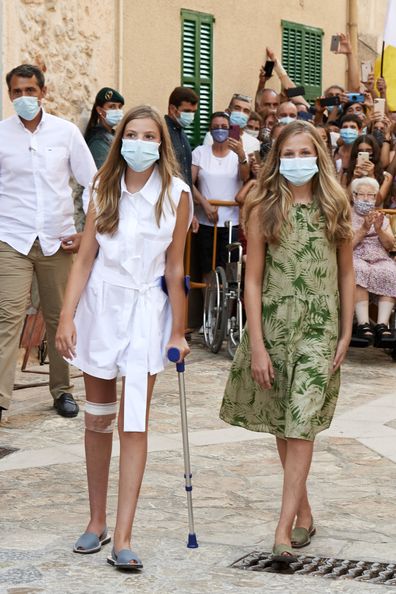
(353, 26)
(382, 59)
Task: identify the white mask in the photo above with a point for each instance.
(253, 133)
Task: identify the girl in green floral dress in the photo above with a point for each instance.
(299, 288)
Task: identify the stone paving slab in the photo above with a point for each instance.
(237, 486)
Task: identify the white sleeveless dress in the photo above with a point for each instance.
(124, 319)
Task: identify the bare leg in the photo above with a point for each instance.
(296, 468)
(98, 453)
(304, 513)
(133, 455)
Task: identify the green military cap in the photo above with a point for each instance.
(108, 94)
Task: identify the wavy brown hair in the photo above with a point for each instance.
(272, 198)
(107, 181)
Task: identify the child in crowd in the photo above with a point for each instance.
(134, 237)
(299, 287)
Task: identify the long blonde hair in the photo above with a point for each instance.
(107, 181)
(272, 198)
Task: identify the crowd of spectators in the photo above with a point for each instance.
(355, 124)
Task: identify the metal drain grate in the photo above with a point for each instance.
(328, 568)
(6, 451)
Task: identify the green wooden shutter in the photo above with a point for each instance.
(197, 67)
(302, 56)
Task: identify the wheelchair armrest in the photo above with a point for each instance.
(233, 246)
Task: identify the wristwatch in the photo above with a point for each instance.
(243, 162)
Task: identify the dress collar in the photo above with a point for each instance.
(150, 190)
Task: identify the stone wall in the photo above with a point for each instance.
(74, 41)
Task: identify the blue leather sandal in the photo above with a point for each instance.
(89, 542)
(122, 560)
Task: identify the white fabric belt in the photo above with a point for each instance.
(142, 325)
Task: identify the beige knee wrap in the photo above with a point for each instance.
(100, 417)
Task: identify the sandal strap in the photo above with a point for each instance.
(300, 535)
(87, 541)
(90, 540)
(125, 556)
(382, 329)
(280, 549)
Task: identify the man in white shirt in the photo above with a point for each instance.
(38, 155)
(240, 108)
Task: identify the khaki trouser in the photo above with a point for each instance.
(16, 271)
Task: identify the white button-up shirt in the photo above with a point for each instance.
(35, 169)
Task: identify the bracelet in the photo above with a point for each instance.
(243, 162)
(387, 141)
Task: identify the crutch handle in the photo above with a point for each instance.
(174, 356)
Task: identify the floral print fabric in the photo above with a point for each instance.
(300, 325)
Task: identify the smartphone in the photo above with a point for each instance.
(379, 105)
(362, 157)
(295, 92)
(355, 97)
(235, 132)
(366, 69)
(334, 43)
(305, 116)
(328, 101)
(268, 68)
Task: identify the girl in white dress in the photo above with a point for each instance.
(117, 319)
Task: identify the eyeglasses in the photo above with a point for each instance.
(242, 97)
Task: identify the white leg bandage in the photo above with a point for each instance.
(100, 417)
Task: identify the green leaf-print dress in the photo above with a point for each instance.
(300, 326)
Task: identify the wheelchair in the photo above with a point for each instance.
(223, 311)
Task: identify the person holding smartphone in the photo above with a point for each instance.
(365, 162)
(239, 111)
(218, 172)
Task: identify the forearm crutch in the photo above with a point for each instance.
(174, 356)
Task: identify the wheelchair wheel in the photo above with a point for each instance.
(235, 331)
(215, 310)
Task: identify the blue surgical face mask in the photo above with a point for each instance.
(26, 107)
(364, 130)
(286, 120)
(238, 118)
(219, 134)
(186, 118)
(298, 171)
(349, 135)
(362, 207)
(114, 117)
(140, 154)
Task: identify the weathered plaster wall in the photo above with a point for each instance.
(242, 30)
(372, 15)
(75, 41)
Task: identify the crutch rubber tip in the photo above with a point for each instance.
(192, 542)
(173, 354)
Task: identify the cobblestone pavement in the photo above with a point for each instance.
(237, 486)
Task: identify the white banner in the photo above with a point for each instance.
(390, 24)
